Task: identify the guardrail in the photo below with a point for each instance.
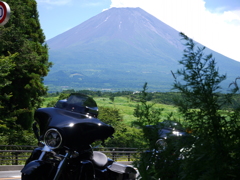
(17, 155)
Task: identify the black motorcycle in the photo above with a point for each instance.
(64, 152)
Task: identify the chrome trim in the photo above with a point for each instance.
(47, 133)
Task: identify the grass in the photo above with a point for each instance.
(48, 100)
(125, 106)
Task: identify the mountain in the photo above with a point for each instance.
(121, 49)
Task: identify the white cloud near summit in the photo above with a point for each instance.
(218, 31)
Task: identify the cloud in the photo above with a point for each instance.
(232, 17)
(54, 2)
(218, 31)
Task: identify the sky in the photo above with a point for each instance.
(213, 23)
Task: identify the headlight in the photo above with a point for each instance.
(53, 138)
(161, 144)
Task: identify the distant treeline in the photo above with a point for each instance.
(155, 97)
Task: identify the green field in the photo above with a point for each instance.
(125, 106)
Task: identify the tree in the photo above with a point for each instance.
(23, 35)
(147, 115)
(124, 135)
(111, 98)
(148, 118)
(6, 64)
(215, 151)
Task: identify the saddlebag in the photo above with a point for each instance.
(121, 171)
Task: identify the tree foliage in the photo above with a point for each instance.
(124, 135)
(147, 114)
(148, 117)
(22, 40)
(6, 64)
(215, 151)
(213, 119)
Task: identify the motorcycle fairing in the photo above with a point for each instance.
(76, 127)
(37, 166)
(35, 154)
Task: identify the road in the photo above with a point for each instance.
(10, 175)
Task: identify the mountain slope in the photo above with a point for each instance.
(120, 48)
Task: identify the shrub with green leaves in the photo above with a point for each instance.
(215, 151)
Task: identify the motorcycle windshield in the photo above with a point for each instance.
(79, 103)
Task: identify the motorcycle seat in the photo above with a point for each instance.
(99, 159)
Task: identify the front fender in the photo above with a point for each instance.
(36, 166)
